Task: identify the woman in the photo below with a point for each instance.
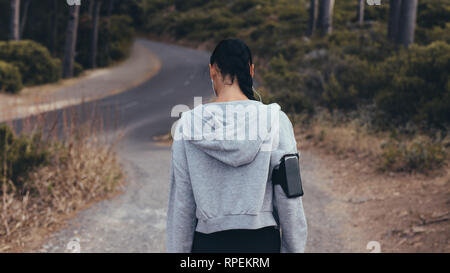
(221, 194)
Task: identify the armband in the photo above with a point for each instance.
(287, 174)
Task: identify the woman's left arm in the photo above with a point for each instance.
(181, 220)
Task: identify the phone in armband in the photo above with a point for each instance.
(287, 174)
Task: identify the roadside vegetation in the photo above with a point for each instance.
(352, 78)
(50, 169)
(36, 51)
(45, 178)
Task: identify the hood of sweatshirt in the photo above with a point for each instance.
(231, 132)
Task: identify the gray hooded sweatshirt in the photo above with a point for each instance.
(223, 155)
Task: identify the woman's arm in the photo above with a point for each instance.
(290, 210)
(181, 220)
(292, 221)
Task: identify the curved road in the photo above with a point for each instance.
(135, 220)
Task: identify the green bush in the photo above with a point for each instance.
(184, 5)
(432, 13)
(417, 85)
(33, 60)
(281, 77)
(114, 41)
(19, 155)
(241, 6)
(121, 36)
(337, 97)
(293, 102)
(10, 78)
(427, 36)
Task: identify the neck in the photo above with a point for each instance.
(230, 93)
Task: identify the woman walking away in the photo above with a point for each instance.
(222, 197)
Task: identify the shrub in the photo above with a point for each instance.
(120, 37)
(337, 97)
(432, 13)
(114, 41)
(33, 60)
(352, 73)
(420, 155)
(10, 78)
(293, 101)
(184, 5)
(417, 85)
(19, 155)
(77, 69)
(281, 77)
(241, 6)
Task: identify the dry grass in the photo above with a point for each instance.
(83, 168)
(406, 209)
(346, 138)
(341, 137)
(398, 153)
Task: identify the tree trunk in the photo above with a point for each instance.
(54, 27)
(326, 16)
(313, 13)
(23, 21)
(108, 28)
(14, 20)
(394, 19)
(110, 8)
(407, 22)
(91, 7)
(71, 41)
(94, 34)
(361, 12)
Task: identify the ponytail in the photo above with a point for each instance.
(233, 58)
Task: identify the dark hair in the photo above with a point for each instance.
(233, 58)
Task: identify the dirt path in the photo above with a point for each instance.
(401, 212)
(329, 220)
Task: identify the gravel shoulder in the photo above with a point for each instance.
(402, 212)
(92, 85)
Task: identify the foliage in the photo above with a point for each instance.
(19, 155)
(351, 67)
(335, 96)
(116, 35)
(10, 78)
(33, 60)
(420, 155)
(417, 85)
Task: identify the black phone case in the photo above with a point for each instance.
(288, 176)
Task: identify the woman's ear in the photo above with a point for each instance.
(252, 70)
(211, 73)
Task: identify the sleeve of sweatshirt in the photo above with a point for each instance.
(290, 210)
(181, 219)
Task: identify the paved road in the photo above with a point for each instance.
(135, 220)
